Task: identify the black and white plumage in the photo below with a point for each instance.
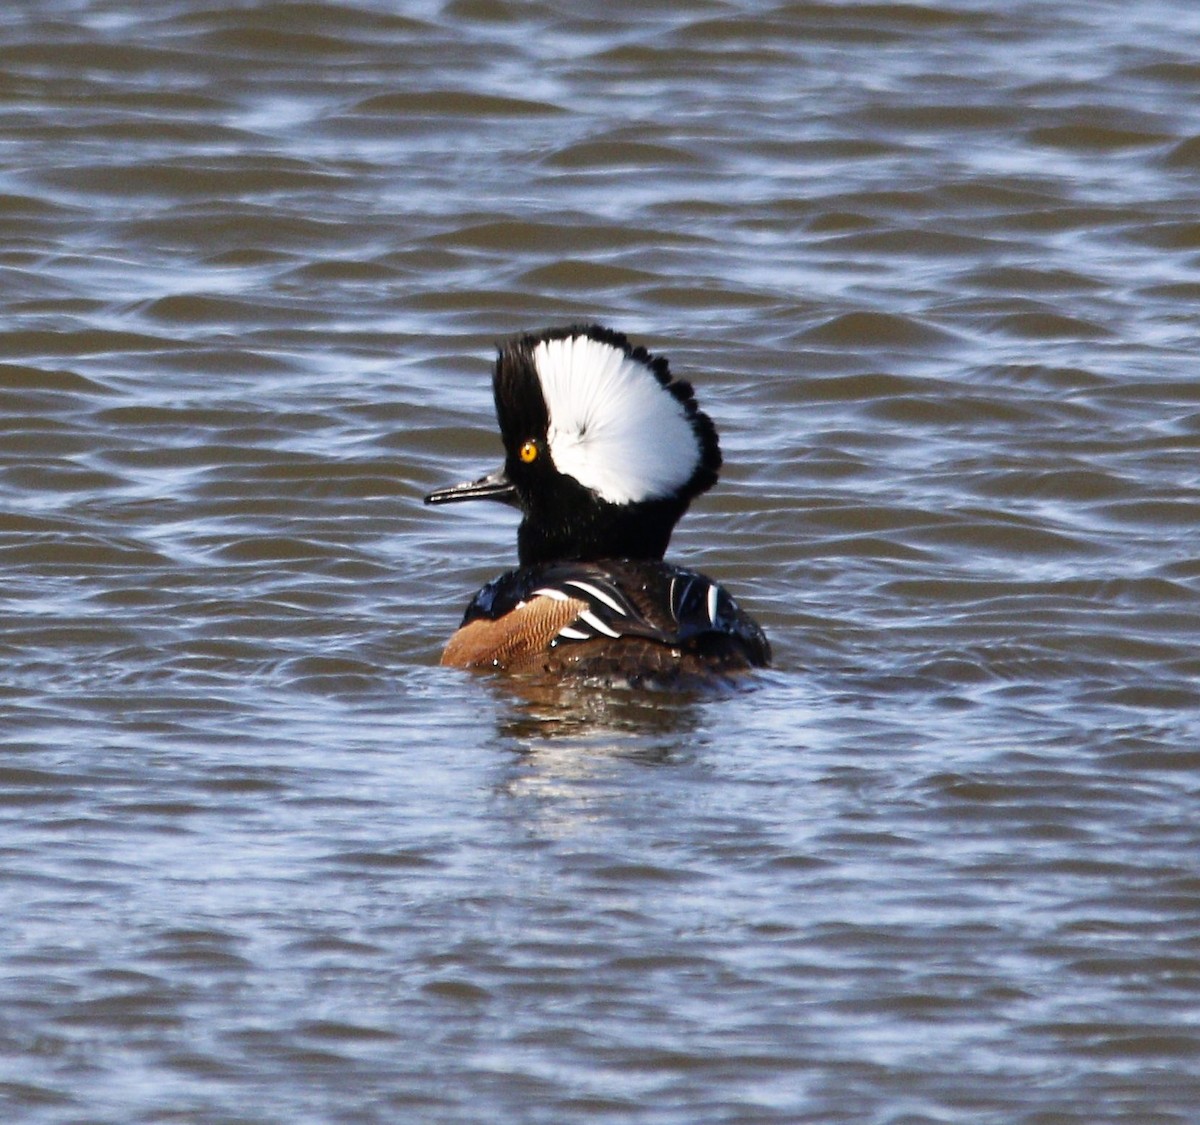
(665, 604)
(604, 451)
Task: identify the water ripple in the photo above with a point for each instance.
(931, 268)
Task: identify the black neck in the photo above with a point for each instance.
(597, 530)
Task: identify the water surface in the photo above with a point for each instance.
(934, 270)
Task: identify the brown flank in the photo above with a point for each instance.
(515, 638)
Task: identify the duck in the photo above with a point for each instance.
(604, 452)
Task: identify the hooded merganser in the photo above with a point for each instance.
(604, 451)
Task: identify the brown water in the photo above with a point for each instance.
(935, 271)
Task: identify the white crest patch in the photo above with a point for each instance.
(613, 426)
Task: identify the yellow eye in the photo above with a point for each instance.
(529, 452)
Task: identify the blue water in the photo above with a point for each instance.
(932, 270)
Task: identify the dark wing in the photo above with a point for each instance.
(700, 605)
(610, 613)
(653, 601)
(647, 600)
